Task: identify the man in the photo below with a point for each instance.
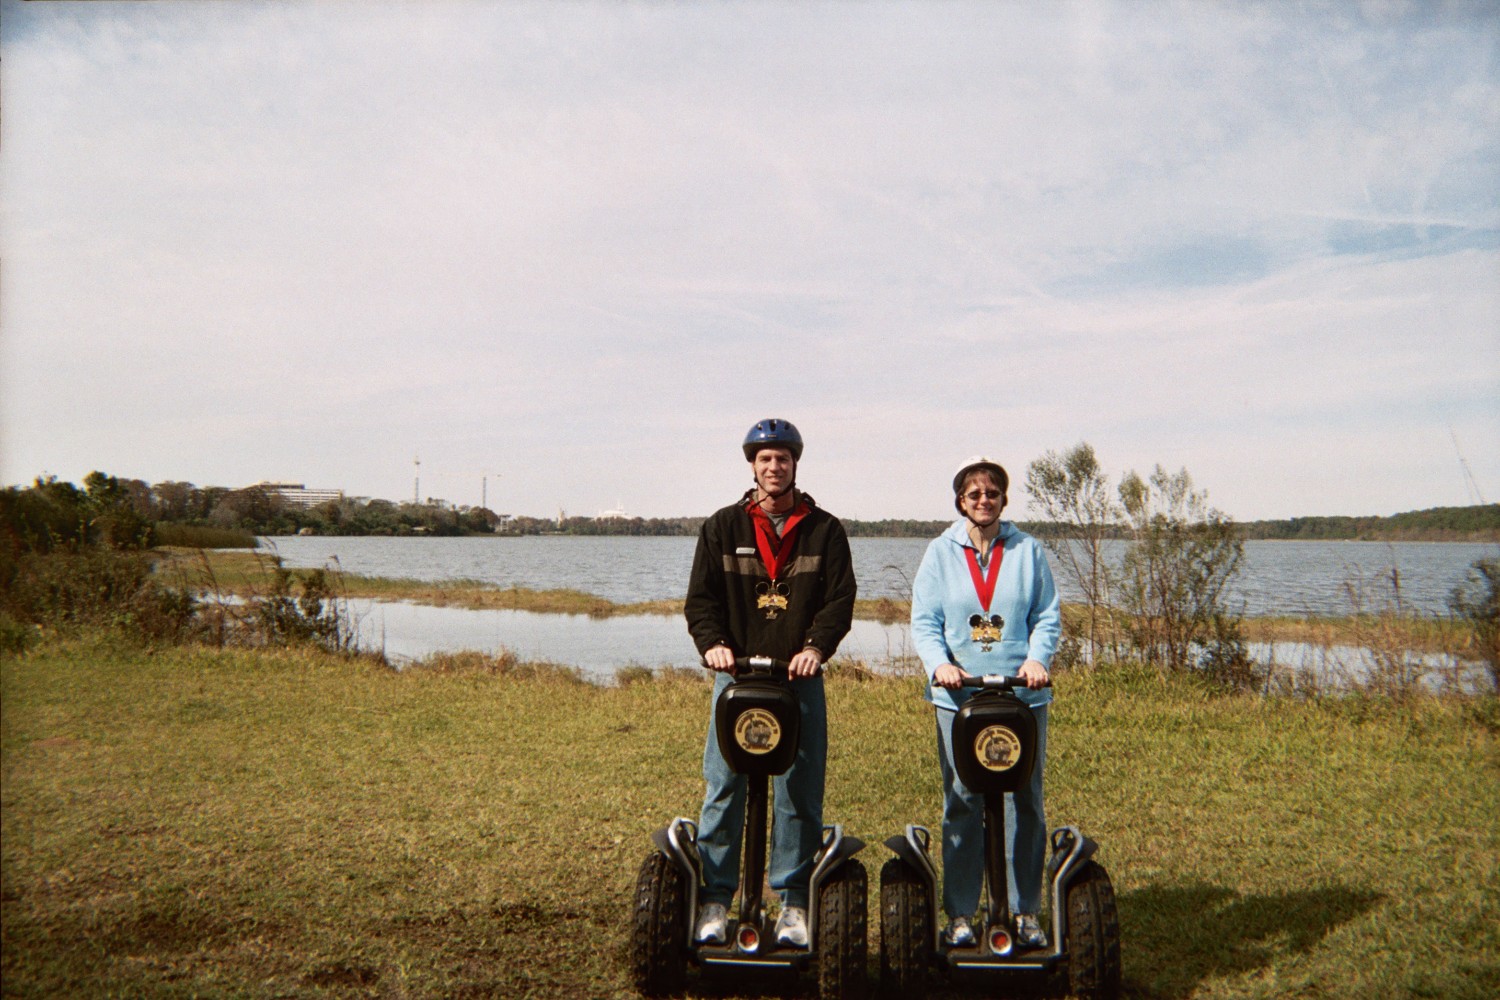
(772, 576)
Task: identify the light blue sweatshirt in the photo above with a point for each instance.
(944, 599)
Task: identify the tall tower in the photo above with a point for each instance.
(416, 483)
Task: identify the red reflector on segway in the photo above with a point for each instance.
(748, 939)
(1000, 941)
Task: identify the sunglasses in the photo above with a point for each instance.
(974, 495)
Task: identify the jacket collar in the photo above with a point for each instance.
(958, 533)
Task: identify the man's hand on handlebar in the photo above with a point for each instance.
(720, 658)
(805, 664)
(808, 663)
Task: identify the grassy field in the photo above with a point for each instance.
(192, 822)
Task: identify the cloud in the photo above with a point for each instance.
(309, 240)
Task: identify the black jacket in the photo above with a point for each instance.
(727, 569)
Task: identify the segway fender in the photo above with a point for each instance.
(836, 849)
(914, 848)
(678, 840)
(1070, 849)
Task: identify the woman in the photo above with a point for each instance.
(984, 603)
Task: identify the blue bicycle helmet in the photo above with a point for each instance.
(773, 433)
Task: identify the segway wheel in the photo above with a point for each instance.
(905, 930)
(843, 947)
(1093, 936)
(659, 929)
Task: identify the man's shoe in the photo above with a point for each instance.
(713, 924)
(959, 933)
(1029, 933)
(791, 927)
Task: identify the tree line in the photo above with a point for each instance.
(132, 512)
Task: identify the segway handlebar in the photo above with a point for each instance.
(995, 682)
(757, 665)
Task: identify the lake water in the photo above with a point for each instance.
(1293, 578)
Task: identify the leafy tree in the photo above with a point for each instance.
(113, 509)
(1181, 557)
(1071, 491)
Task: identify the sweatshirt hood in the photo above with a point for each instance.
(958, 532)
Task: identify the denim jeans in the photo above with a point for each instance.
(963, 831)
(797, 797)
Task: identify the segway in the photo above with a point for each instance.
(994, 751)
(757, 723)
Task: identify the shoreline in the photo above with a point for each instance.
(238, 573)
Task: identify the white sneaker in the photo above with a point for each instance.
(959, 933)
(791, 927)
(1029, 933)
(713, 924)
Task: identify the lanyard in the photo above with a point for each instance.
(773, 550)
(984, 584)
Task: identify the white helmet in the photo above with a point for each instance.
(981, 462)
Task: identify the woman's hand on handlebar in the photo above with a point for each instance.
(949, 675)
(720, 658)
(1034, 674)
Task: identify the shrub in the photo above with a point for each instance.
(194, 536)
(15, 636)
(1477, 602)
(96, 586)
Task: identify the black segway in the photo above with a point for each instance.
(757, 724)
(994, 751)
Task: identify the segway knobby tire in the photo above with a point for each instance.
(1093, 936)
(659, 928)
(842, 928)
(905, 930)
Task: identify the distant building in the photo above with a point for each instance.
(298, 495)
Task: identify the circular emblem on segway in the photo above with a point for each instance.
(757, 731)
(997, 748)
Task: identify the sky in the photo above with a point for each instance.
(566, 254)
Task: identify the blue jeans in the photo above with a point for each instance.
(963, 831)
(797, 827)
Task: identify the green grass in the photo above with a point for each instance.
(191, 822)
